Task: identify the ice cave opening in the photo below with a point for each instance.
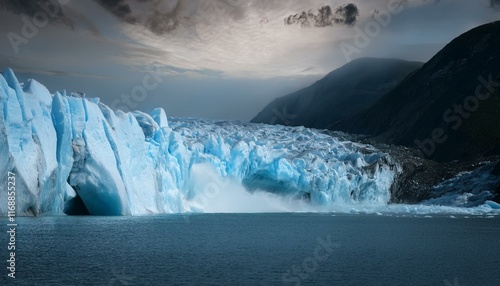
(76, 206)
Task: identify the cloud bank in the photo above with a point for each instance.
(235, 38)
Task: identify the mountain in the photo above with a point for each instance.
(344, 92)
(449, 108)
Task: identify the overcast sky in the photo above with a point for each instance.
(220, 58)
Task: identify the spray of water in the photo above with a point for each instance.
(212, 193)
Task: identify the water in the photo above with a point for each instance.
(256, 249)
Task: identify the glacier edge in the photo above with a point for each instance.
(74, 155)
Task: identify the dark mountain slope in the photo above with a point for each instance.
(344, 92)
(447, 108)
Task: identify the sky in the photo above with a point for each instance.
(223, 59)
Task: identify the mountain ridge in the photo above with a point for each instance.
(343, 92)
(442, 109)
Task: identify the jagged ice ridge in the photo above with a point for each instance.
(73, 154)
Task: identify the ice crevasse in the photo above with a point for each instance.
(74, 155)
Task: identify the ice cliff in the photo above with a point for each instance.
(74, 155)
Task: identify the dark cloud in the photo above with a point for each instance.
(164, 22)
(495, 4)
(50, 8)
(164, 16)
(156, 17)
(150, 14)
(119, 8)
(326, 17)
(348, 14)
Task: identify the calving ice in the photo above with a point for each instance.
(74, 155)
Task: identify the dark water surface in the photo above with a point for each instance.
(255, 249)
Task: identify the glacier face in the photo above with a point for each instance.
(74, 155)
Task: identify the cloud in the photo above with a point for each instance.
(118, 8)
(348, 14)
(31, 8)
(162, 17)
(162, 22)
(343, 15)
(235, 38)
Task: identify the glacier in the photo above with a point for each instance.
(74, 155)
